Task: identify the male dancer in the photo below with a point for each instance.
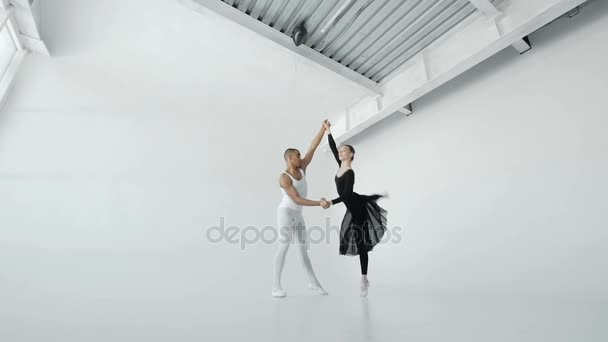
(289, 214)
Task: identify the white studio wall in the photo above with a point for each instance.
(151, 123)
(498, 176)
(118, 153)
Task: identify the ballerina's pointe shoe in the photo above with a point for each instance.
(317, 289)
(279, 293)
(364, 288)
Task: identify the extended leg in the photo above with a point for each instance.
(363, 259)
(302, 248)
(285, 230)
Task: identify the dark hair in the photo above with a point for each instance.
(351, 149)
(288, 152)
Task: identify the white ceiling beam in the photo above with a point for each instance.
(6, 81)
(14, 31)
(34, 45)
(4, 17)
(254, 25)
(19, 3)
(25, 18)
(485, 7)
(23, 23)
(490, 11)
(443, 61)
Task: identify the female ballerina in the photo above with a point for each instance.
(364, 223)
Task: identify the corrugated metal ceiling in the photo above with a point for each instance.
(371, 37)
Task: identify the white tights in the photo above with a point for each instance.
(289, 222)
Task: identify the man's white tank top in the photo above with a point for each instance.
(302, 189)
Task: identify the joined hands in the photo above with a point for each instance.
(327, 125)
(325, 203)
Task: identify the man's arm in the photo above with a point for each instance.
(313, 147)
(287, 184)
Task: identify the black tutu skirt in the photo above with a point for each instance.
(363, 225)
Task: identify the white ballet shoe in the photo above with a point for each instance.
(364, 288)
(279, 293)
(317, 289)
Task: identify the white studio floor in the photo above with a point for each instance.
(386, 315)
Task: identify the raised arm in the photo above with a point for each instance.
(287, 184)
(313, 147)
(334, 149)
(347, 193)
(331, 141)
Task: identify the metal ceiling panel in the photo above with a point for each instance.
(370, 37)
